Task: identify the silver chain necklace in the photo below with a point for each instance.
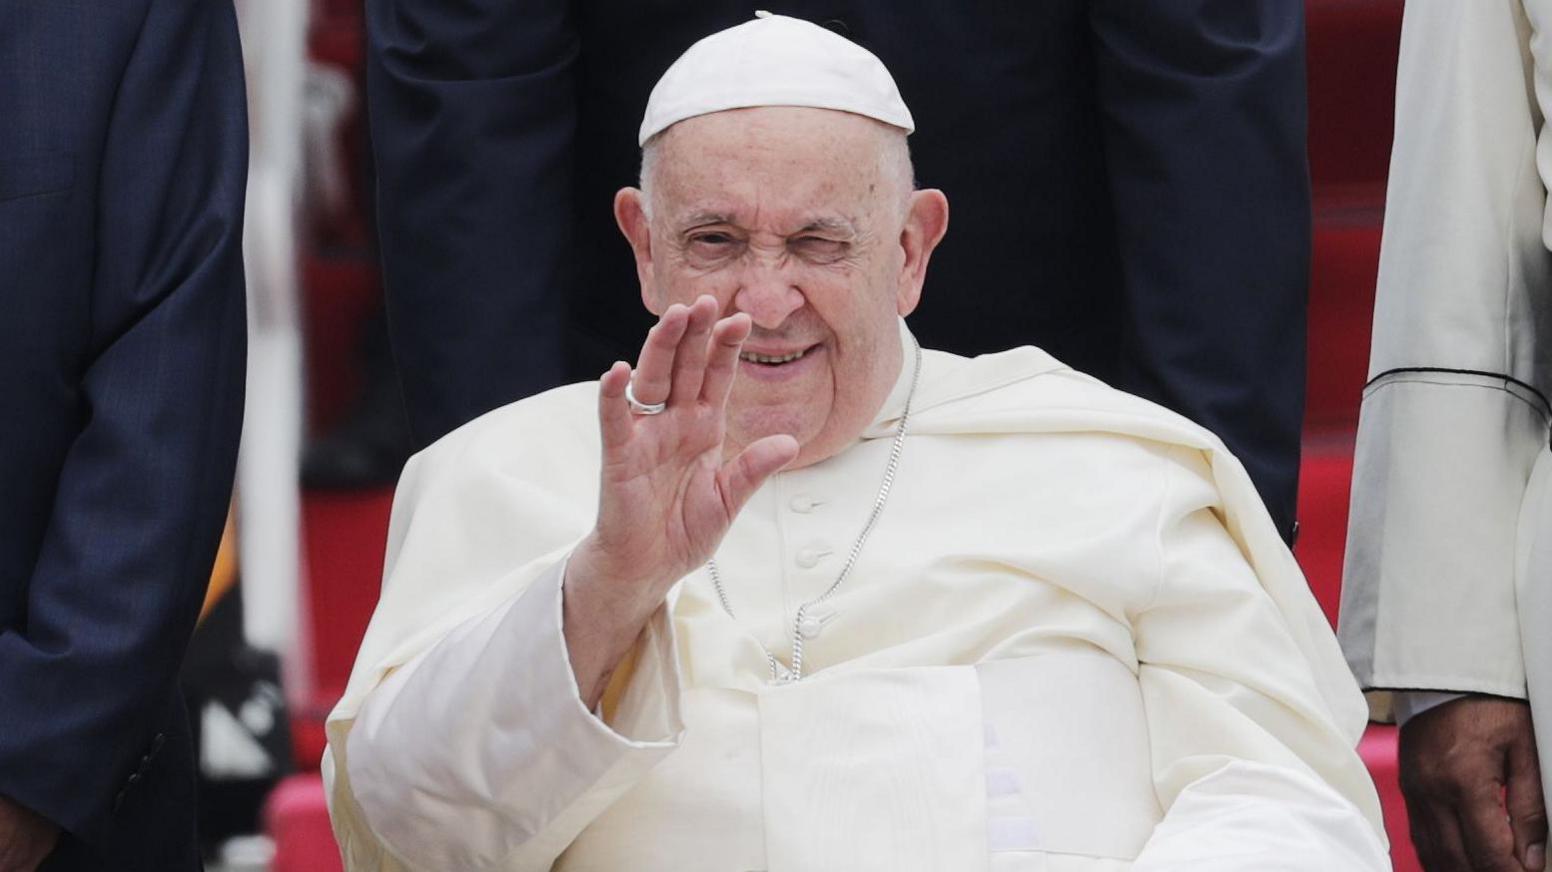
(778, 674)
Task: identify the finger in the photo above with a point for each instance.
(1485, 833)
(690, 359)
(1436, 836)
(740, 477)
(614, 417)
(650, 382)
(727, 337)
(1526, 805)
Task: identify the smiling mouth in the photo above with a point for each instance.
(772, 359)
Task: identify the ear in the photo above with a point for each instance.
(631, 214)
(926, 221)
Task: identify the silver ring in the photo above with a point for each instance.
(637, 407)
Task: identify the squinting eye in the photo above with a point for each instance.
(710, 248)
(819, 246)
(711, 240)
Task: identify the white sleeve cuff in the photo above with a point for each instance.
(1248, 815)
(481, 746)
(1439, 475)
(1408, 704)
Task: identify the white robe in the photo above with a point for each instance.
(1448, 578)
(1074, 641)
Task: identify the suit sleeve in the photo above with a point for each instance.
(1203, 107)
(143, 492)
(1455, 413)
(473, 114)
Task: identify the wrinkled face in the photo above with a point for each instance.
(803, 219)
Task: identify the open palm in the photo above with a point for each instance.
(666, 495)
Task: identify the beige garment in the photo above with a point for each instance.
(1439, 580)
(1073, 642)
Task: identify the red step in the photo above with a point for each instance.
(344, 536)
(1351, 51)
(340, 292)
(1378, 750)
(1351, 47)
(1341, 312)
(1325, 477)
(297, 818)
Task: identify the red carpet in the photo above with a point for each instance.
(343, 539)
(297, 819)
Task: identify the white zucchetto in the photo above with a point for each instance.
(774, 61)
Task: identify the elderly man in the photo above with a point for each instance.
(794, 594)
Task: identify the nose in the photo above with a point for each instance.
(767, 297)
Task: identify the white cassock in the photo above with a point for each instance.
(1074, 641)
(1448, 578)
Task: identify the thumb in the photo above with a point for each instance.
(1526, 805)
(740, 477)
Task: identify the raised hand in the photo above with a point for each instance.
(667, 495)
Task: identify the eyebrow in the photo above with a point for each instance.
(830, 225)
(703, 219)
(820, 225)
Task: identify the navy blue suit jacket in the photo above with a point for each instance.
(123, 159)
(1128, 185)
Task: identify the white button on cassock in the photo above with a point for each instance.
(809, 557)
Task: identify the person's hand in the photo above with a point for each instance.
(666, 494)
(26, 837)
(1472, 784)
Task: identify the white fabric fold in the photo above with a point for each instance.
(1249, 816)
(1098, 573)
(1428, 599)
(1461, 362)
(462, 734)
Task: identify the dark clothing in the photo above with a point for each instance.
(1127, 182)
(123, 162)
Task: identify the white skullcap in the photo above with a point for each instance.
(774, 60)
